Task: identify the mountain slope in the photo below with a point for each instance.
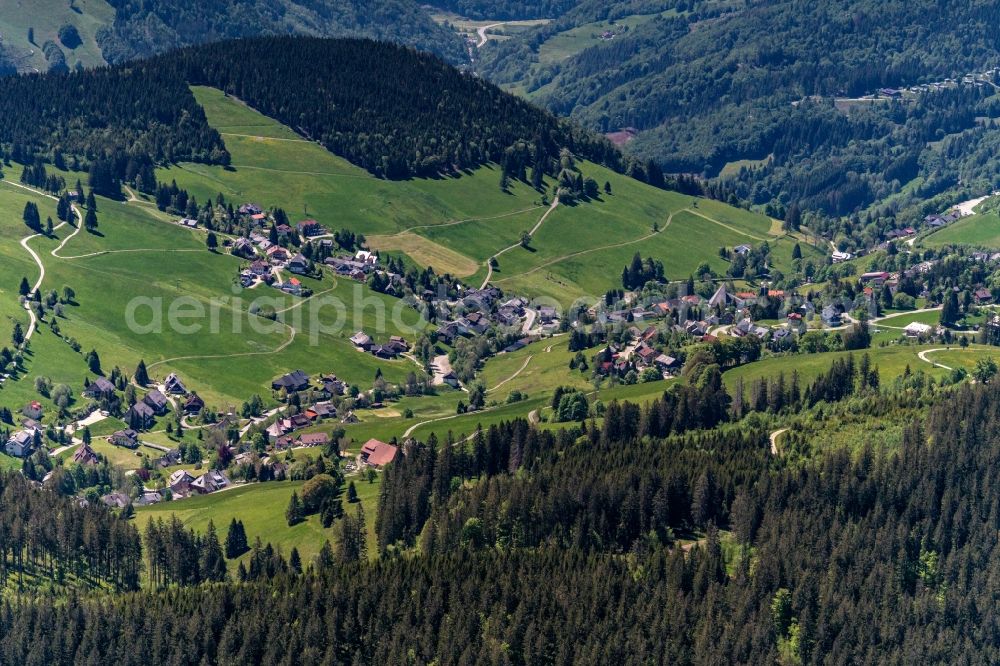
(36, 37)
(394, 111)
(506, 10)
(710, 83)
(142, 28)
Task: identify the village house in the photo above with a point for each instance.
(451, 379)
(100, 388)
(385, 352)
(475, 322)
(877, 278)
(377, 454)
(298, 264)
(333, 386)
(180, 482)
(147, 498)
(299, 421)
(314, 439)
(292, 287)
(189, 223)
(361, 340)
(276, 253)
(116, 500)
(209, 482)
(293, 381)
(20, 444)
(244, 248)
(170, 458)
(983, 296)
(173, 385)
(366, 257)
(666, 363)
(278, 429)
(260, 268)
(324, 410)
(309, 228)
(33, 410)
(831, 315)
(157, 402)
(645, 355)
(140, 415)
(194, 404)
(250, 209)
(127, 438)
(795, 322)
(84, 455)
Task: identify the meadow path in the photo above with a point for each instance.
(32, 319)
(513, 376)
(489, 264)
(923, 357)
(572, 255)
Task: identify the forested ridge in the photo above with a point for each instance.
(506, 9)
(392, 110)
(141, 28)
(46, 535)
(543, 547)
(709, 83)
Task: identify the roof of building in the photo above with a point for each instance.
(379, 453)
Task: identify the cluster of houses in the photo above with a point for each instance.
(142, 415)
(479, 309)
(938, 221)
(22, 443)
(284, 432)
(359, 266)
(641, 353)
(268, 259)
(394, 348)
(184, 484)
(725, 311)
(266, 267)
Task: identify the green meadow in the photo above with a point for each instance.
(457, 224)
(892, 362)
(261, 507)
(981, 230)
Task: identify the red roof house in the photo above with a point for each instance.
(377, 453)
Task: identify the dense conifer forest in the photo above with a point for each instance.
(45, 535)
(392, 110)
(143, 28)
(577, 547)
(506, 10)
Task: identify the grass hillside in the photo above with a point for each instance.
(457, 224)
(139, 252)
(453, 224)
(981, 230)
(261, 507)
(117, 30)
(45, 18)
